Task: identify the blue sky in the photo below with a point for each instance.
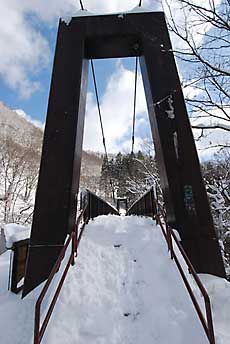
(35, 105)
(28, 32)
(25, 77)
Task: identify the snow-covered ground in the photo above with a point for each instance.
(16, 315)
(123, 289)
(14, 232)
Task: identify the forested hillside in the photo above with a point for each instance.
(20, 153)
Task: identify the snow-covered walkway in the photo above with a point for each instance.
(124, 289)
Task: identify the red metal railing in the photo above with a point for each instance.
(88, 211)
(170, 237)
(73, 238)
(206, 321)
(143, 206)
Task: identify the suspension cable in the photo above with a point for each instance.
(100, 118)
(98, 107)
(134, 105)
(81, 3)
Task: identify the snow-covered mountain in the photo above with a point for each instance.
(14, 121)
(20, 151)
(18, 121)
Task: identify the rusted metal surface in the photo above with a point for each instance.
(92, 206)
(187, 208)
(206, 320)
(39, 332)
(145, 205)
(55, 205)
(185, 197)
(73, 239)
(18, 265)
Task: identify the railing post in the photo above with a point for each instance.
(209, 321)
(157, 219)
(73, 241)
(37, 325)
(73, 246)
(169, 239)
(76, 240)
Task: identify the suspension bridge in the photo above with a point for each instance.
(145, 37)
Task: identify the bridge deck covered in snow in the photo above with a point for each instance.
(124, 289)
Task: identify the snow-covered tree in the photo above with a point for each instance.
(217, 178)
(19, 164)
(202, 34)
(131, 175)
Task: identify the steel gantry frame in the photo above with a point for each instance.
(107, 36)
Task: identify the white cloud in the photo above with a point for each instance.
(22, 113)
(24, 50)
(209, 138)
(185, 17)
(190, 90)
(117, 112)
(105, 6)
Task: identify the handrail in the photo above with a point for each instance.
(96, 205)
(74, 239)
(207, 322)
(144, 205)
(169, 236)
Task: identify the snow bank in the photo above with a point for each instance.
(219, 292)
(14, 233)
(16, 315)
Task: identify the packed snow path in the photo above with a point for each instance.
(124, 289)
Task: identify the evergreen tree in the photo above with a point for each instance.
(131, 175)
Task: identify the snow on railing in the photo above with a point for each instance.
(73, 238)
(148, 205)
(170, 237)
(206, 320)
(92, 206)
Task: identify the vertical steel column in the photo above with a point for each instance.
(145, 35)
(183, 187)
(55, 206)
